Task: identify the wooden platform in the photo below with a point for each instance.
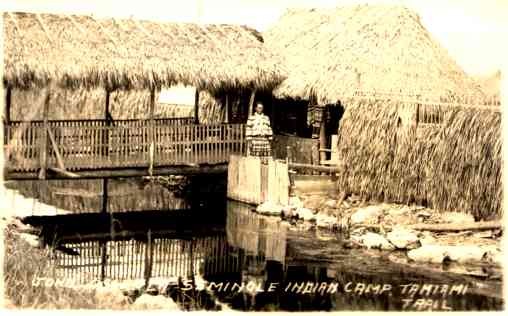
(253, 181)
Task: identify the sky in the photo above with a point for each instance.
(471, 30)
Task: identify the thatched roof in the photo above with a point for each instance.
(83, 51)
(331, 53)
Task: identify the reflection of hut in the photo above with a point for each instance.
(415, 128)
(256, 234)
(333, 55)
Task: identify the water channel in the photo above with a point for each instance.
(212, 252)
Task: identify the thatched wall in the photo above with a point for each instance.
(455, 166)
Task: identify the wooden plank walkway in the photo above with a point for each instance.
(93, 145)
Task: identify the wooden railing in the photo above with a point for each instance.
(93, 144)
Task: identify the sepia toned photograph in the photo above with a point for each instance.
(252, 155)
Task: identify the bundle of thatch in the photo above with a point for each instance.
(333, 53)
(83, 51)
(455, 166)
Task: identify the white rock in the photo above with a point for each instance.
(147, 301)
(111, 296)
(295, 202)
(427, 240)
(323, 220)
(395, 211)
(369, 214)
(496, 257)
(330, 203)
(373, 240)
(428, 253)
(305, 213)
(32, 240)
(456, 217)
(402, 238)
(269, 208)
(466, 253)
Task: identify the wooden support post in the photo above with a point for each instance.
(151, 131)
(196, 107)
(228, 111)
(59, 159)
(43, 145)
(251, 102)
(104, 205)
(107, 117)
(322, 140)
(8, 105)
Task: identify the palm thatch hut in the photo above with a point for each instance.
(80, 62)
(415, 127)
(368, 50)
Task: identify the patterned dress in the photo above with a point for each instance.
(258, 134)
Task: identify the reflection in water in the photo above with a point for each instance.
(259, 264)
(140, 259)
(256, 234)
(85, 196)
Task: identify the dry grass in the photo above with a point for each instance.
(331, 53)
(82, 51)
(455, 166)
(22, 263)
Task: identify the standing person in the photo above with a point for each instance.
(258, 133)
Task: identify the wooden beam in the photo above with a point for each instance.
(196, 107)
(459, 226)
(228, 111)
(151, 131)
(64, 173)
(59, 159)
(43, 140)
(8, 105)
(251, 102)
(322, 138)
(107, 117)
(123, 172)
(104, 208)
(309, 167)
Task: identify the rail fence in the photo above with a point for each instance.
(93, 144)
